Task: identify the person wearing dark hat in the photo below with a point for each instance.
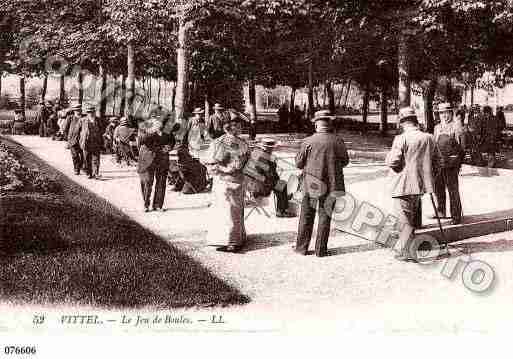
(226, 159)
(322, 158)
(42, 118)
(52, 124)
(491, 135)
(450, 139)
(216, 121)
(262, 178)
(153, 162)
(194, 135)
(91, 142)
(412, 158)
(72, 131)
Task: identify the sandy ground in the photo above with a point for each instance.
(359, 288)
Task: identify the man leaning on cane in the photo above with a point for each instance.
(412, 158)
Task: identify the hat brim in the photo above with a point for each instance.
(323, 118)
(412, 118)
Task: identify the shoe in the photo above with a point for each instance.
(90, 176)
(440, 215)
(77, 173)
(284, 215)
(455, 222)
(159, 209)
(229, 249)
(303, 253)
(404, 258)
(146, 209)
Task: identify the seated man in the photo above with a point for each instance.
(123, 136)
(262, 178)
(193, 174)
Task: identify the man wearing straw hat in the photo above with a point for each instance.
(450, 139)
(262, 178)
(91, 142)
(322, 158)
(412, 158)
(216, 121)
(194, 136)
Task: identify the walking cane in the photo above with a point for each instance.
(439, 223)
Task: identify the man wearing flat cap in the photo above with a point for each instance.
(72, 131)
(91, 142)
(216, 121)
(450, 139)
(322, 158)
(412, 159)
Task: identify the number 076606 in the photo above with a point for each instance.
(19, 350)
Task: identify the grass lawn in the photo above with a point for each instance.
(75, 248)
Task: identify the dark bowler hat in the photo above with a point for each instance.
(324, 115)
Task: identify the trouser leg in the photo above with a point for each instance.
(323, 227)
(95, 163)
(87, 162)
(452, 181)
(282, 200)
(306, 222)
(440, 186)
(406, 211)
(76, 157)
(146, 179)
(160, 188)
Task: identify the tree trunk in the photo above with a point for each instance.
(207, 103)
(114, 96)
(62, 88)
(429, 96)
(347, 92)
(80, 88)
(448, 90)
(173, 97)
(102, 101)
(182, 69)
(22, 96)
(130, 87)
(310, 91)
(252, 100)
(404, 77)
(292, 100)
(45, 87)
(365, 109)
(472, 95)
(331, 97)
(384, 111)
(158, 93)
(1, 74)
(122, 104)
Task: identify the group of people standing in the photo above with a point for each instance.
(425, 164)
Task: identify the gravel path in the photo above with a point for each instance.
(360, 287)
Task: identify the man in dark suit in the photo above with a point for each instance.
(412, 159)
(322, 158)
(153, 162)
(91, 142)
(450, 139)
(72, 133)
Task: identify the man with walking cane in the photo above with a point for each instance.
(412, 158)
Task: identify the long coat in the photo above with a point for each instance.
(72, 130)
(322, 158)
(91, 139)
(412, 158)
(154, 150)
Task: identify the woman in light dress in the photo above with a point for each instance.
(226, 159)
